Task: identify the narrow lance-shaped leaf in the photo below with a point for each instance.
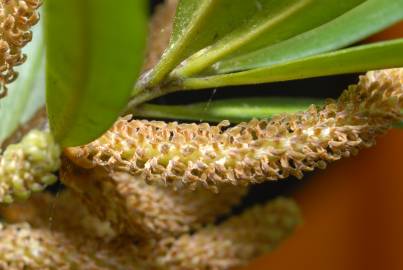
(358, 59)
(235, 23)
(234, 110)
(94, 54)
(366, 19)
(273, 22)
(197, 25)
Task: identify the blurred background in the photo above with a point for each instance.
(352, 211)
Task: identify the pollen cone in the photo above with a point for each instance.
(17, 17)
(231, 244)
(194, 155)
(147, 211)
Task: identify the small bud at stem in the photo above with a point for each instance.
(28, 166)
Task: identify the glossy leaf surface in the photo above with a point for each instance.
(274, 22)
(220, 27)
(235, 110)
(94, 55)
(368, 18)
(197, 24)
(358, 59)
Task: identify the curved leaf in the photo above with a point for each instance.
(275, 21)
(197, 24)
(235, 24)
(235, 110)
(368, 18)
(357, 59)
(94, 54)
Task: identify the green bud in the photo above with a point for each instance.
(28, 166)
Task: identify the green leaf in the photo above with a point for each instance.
(197, 24)
(235, 24)
(366, 19)
(235, 110)
(94, 55)
(357, 59)
(26, 95)
(274, 22)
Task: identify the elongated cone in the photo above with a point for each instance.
(147, 211)
(192, 155)
(231, 244)
(28, 166)
(67, 240)
(61, 212)
(23, 247)
(17, 17)
(57, 232)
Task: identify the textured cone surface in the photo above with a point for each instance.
(147, 211)
(28, 166)
(56, 232)
(231, 244)
(54, 242)
(17, 17)
(192, 155)
(23, 247)
(61, 212)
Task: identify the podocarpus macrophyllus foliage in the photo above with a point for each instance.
(16, 20)
(28, 166)
(193, 155)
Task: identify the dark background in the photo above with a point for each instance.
(324, 87)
